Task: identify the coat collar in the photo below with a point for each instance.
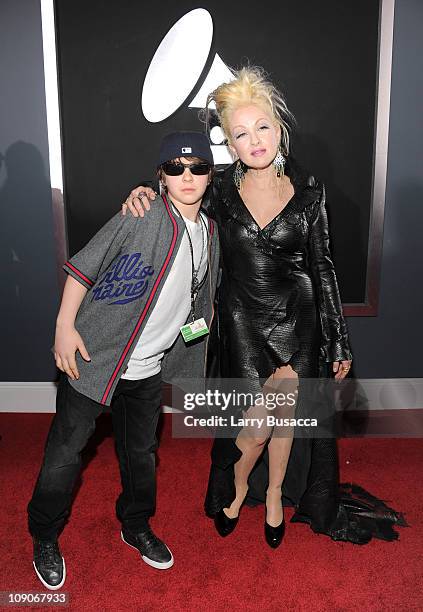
(306, 187)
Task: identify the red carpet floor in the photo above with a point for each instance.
(308, 572)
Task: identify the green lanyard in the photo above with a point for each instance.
(195, 283)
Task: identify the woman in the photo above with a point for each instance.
(280, 317)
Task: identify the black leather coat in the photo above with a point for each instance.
(278, 300)
(279, 303)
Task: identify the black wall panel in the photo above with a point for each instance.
(323, 56)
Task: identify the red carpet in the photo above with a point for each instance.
(308, 572)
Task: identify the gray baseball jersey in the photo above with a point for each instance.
(124, 267)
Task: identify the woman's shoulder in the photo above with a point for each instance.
(223, 175)
(223, 183)
(308, 188)
(301, 177)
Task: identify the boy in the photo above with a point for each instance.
(128, 293)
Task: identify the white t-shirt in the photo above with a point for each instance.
(173, 305)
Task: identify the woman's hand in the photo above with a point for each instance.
(341, 369)
(66, 343)
(138, 201)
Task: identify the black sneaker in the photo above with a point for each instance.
(153, 551)
(49, 564)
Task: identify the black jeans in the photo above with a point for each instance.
(135, 412)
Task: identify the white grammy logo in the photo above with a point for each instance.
(189, 38)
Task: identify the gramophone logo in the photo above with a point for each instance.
(179, 61)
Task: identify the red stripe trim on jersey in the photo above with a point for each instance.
(147, 305)
(85, 278)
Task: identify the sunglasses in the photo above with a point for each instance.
(198, 169)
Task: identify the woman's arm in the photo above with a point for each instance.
(335, 344)
(138, 201)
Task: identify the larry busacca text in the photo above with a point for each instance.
(269, 420)
(218, 399)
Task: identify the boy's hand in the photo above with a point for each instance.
(138, 200)
(66, 343)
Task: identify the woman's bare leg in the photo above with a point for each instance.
(285, 380)
(251, 443)
(251, 446)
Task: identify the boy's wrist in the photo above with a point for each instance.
(64, 324)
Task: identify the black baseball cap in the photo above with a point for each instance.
(185, 144)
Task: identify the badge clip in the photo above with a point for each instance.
(194, 330)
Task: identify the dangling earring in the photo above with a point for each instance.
(279, 163)
(239, 174)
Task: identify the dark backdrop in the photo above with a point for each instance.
(390, 345)
(323, 55)
(29, 288)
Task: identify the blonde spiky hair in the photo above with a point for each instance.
(251, 86)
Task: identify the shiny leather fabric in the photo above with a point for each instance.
(278, 301)
(278, 304)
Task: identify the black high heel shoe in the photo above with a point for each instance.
(274, 535)
(224, 525)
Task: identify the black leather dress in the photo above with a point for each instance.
(279, 304)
